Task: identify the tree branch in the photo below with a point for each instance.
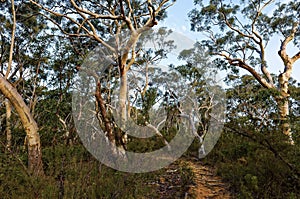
(12, 39)
(296, 57)
(155, 129)
(236, 29)
(242, 64)
(94, 15)
(282, 52)
(81, 12)
(126, 18)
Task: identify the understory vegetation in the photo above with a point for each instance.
(80, 74)
(257, 167)
(71, 172)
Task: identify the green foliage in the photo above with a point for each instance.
(255, 168)
(243, 28)
(249, 104)
(44, 68)
(252, 155)
(148, 101)
(187, 174)
(71, 172)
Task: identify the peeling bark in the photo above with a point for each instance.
(103, 113)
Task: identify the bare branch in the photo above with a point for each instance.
(158, 133)
(66, 33)
(94, 15)
(282, 52)
(153, 12)
(236, 29)
(240, 63)
(130, 13)
(260, 43)
(12, 39)
(125, 18)
(81, 13)
(296, 57)
(159, 8)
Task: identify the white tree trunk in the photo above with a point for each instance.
(32, 136)
(122, 103)
(283, 103)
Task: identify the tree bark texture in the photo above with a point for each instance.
(8, 124)
(35, 165)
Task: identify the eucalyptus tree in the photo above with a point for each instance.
(202, 78)
(99, 22)
(154, 46)
(250, 105)
(238, 34)
(22, 59)
(53, 100)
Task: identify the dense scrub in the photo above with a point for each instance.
(256, 165)
(71, 172)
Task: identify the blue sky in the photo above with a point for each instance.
(179, 22)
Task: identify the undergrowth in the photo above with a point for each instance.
(71, 172)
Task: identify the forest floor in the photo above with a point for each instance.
(201, 182)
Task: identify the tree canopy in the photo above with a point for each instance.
(238, 33)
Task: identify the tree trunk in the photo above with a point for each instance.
(123, 97)
(8, 124)
(283, 104)
(122, 103)
(101, 105)
(35, 165)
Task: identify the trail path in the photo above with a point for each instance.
(207, 184)
(204, 185)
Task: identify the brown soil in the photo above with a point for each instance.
(207, 184)
(202, 182)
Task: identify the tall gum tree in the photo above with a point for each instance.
(100, 21)
(11, 76)
(239, 34)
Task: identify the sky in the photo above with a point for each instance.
(178, 21)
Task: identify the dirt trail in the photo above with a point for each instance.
(199, 181)
(207, 184)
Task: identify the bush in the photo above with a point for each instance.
(257, 165)
(71, 172)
